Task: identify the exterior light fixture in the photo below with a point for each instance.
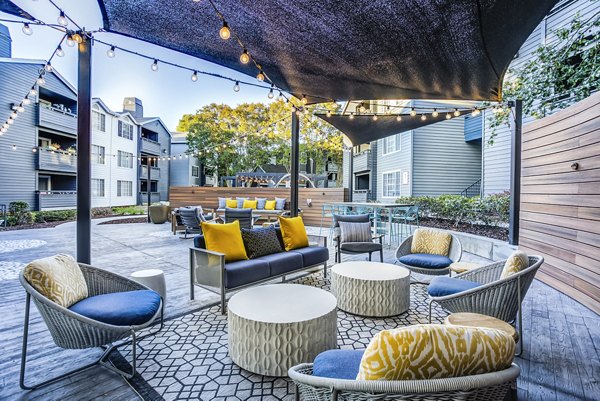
(194, 76)
(413, 112)
(245, 57)
(62, 19)
(225, 32)
(154, 66)
(236, 87)
(27, 29)
(435, 113)
(59, 51)
(111, 52)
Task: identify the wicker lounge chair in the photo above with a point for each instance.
(454, 253)
(484, 387)
(499, 298)
(74, 331)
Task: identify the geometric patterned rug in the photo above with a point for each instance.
(188, 359)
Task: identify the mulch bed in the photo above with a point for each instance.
(143, 219)
(49, 224)
(498, 233)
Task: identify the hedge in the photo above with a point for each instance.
(490, 210)
(19, 214)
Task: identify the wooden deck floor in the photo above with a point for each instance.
(561, 337)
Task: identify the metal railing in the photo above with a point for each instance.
(472, 190)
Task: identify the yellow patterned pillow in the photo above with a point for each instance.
(432, 242)
(58, 278)
(231, 203)
(516, 262)
(250, 204)
(435, 351)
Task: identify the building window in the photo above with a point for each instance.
(391, 184)
(125, 159)
(125, 130)
(392, 144)
(195, 171)
(98, 154)
(124, 188)
(97, 187)
(405, 178)
(99, 121)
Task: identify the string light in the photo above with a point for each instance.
(362, 108)
(225, 32)
(398, 117)
(34, 150)
(70, 42)
(413, 112)
(59, 51)
(154, 66)
(194, 76)
(423, 117)
(10, 121)
(14, 147)
(260, 76)
(20, 108)
(236, 87)
(245, 57)
(280, 96)
(271, 94)
(435, 113)
(328, 113)
(41, 80)
(27, 29)
(448, 116)
(374, 117)
(111, 52)
(352, 116)
(32, 92)
(48, 67)
(304, 100)
(294, 109)
(456, 113)
(62, 19)
(26, 101)
(77, 38)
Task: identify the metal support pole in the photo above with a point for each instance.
(351, 175)
(148, 185)
(515, 174)
(295, 167)
(84, 134)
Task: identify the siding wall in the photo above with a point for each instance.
(181, 169)
(396, 161)
(164, 138)
(560, 207)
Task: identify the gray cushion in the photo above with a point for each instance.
(261, 241)
(280, 203)
(283, 262)
(261, 203)
(222, 203)
(313, 255)
(360, 247)
(240, 202)
(353, 218)
(355, 232)
(245, 272)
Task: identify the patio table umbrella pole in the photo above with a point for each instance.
(84, 109)
(515, 174)
(294, 169)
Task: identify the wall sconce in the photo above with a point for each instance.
(309, 202)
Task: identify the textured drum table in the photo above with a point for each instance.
(274, 327)
(153, 279)
(371, 288)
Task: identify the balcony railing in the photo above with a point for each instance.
(143, 197)
(57, 119)
(362, 161)
(48, 200)
(154, 173)
(150, 146)
(63, 162)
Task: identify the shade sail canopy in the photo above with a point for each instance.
(363, 129)
(9, 7)
(344, 49)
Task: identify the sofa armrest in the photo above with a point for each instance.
(206, 267)
(320, 240)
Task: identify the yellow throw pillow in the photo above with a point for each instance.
(435, 351)
(58, 278)
(231, 203)
(226, 239)
(250, 204)
(432, 242)
(516, 262)
(270, 205)
(293, 233)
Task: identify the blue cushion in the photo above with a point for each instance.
(338, 363)
(120, 308)
(199, 242)
(283, 262)
(260, 205)
(245, 272)
(442, 286)
(313, 255)
(426, 260)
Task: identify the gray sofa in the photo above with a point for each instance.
(209, 270)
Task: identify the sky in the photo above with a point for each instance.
(167, 93)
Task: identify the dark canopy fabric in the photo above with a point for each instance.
(363, 129)
(9, 7)
(347, 49)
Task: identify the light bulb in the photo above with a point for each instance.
(3, 130)
(111, 52)
(362, 108)
(245, 57)
(413, 112)
(435, 113)
(32, 92)
(236, 87)
(456, 113)
(14, 147)
(398, 118)
(328, 113)
(271, 94)
(280, 96)
(154, 66)
(62, 19)
(48, 67)
(70, 42)
(77, 37)
(20, 108)
(27, 30)
(13, 115)
(260, 76)
(194, 76)
(34, 150)
(41, 81)
(10, 121)
(304, 100)
(374, 117)
(474, 113)
(352, 116)
(293, 109)
(448, 116)
(224, 32)
(26, 101)
(60, 52)
(423, 117)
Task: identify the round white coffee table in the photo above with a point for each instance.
(371, 288)
(153, 279)
(274, 327)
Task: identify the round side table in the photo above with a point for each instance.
(477, 320)
(153, 279)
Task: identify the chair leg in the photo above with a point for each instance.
(325, 270)
(370, 256)
(381, 255)
(223, 306)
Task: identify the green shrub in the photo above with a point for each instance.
(46, 216)
(18, 213)
(490, 210)
(128, 210)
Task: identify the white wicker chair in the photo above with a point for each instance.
(485, 387)
(454, 253)
(499, 298)
(74, 331)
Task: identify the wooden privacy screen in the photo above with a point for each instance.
(560, 201)
(207, 197)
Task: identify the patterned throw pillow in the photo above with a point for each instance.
(432, 242)
(516, 262)
(58, 278)
(435, 351)
(355, 232)
(279, 203)
(261, 203)
(261, 242)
